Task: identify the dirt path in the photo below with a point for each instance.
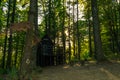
(105, 71)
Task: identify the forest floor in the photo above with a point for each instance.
(90, 71)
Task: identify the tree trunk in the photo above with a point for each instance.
(90, 35)
(28, 61)
(69, 43)
(74, 33)
(90, 40)
(6, 34)
(63, 33)
(78, 35)
(69, 35)
(99, 55)
(9, 57)
(49, 18)
(16, 51)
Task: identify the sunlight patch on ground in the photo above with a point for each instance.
(118, 61)
(77, 65)
(66, 67)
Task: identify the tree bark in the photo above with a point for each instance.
(63, 33)
(9, 57)
(78, 35)
(90, 30)
(28, 61)
(99, 55)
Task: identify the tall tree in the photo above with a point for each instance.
(78, 34)
(9, 58)
(28, 60)
(63, 32)
(69, 34)
(99, 55)
(6, 35)
(89, 28)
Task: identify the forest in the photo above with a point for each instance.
(42, 33)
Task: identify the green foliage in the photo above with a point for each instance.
(9, 74)
(3, 71)
(58, 16)
(13, 74)
(85, 55)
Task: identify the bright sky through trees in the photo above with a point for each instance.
(69, 7)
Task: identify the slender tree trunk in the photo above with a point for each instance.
(4, 50)
(111, 36)
(49, 18)
(119, 23)
(16, 51)
(9, 58)
(99, 55)
(90, 41)
(69, 31)
(78, 35)
(6, 34)
(74, 33)
(90, 35)
(63, 33)
(69, 44)
(116, 27)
